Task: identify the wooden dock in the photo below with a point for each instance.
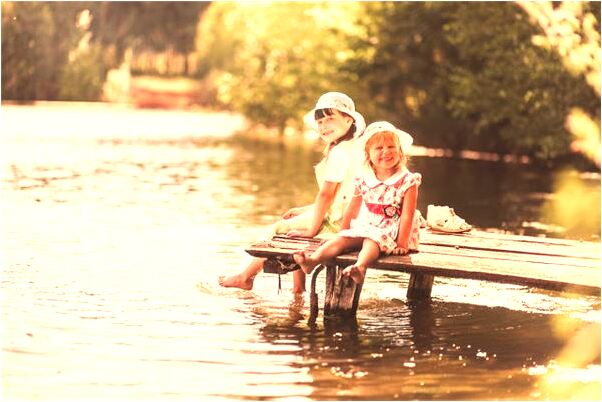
(554, 264)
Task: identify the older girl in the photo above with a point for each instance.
(381, 215)
(339, 125)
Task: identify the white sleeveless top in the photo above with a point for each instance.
(341, 165)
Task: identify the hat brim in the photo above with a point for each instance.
(360, 122)
(405, 139)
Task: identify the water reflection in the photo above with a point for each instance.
(516, 198)
(423, 350)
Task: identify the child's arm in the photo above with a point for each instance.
(351, 211)
(406, 220)
(291, 213)
(323, 201)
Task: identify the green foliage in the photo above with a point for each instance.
(401, 56)
(41, 55)
(82, 78)
(37, 40)
(510, 90)
(455, 74)
(466, 75)
(271, 61)
(28, 51)
(146, 25)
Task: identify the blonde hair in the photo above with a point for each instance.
(380, 138)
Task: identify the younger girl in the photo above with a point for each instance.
(337, 122)
(381, 215)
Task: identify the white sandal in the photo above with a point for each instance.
(444, 219)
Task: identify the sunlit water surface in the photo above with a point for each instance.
(117, 223)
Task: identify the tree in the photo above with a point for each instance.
(572, 30)
(29, 52)
(401, 56)
(466, 75)
(273, 71)
(47, 55)
(146, 25)
(515, 94)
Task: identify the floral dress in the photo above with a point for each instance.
(378, 218)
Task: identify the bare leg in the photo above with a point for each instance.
(368, 254)
(243, 280)
(298, 281)
(325, 252)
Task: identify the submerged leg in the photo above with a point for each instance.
(298, 281)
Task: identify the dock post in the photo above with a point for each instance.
(342, 294)
(313, 296)
(420, 286)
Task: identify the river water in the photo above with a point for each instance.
(116, 224)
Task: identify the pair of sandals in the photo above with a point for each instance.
(441, 218)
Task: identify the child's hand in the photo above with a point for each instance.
(301, 233)
(399, 251)
(291, 213)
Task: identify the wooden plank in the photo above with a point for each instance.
(523, 238)
(588, 251)
(482, 241)
(546, 276)
(556, 264)
(513, 256)
(591, 261)
(527, 273)
(470, 252)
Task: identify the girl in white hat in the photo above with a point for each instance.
(339, 125)
(381, 215)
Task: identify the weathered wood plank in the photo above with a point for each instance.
(513, 256)
(484, 241)
(480, 240)
(589, 263)
(547, 275)
(591, 260)
(523, 238)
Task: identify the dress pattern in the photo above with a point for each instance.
(378, 218)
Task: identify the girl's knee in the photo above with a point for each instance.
(371, 243)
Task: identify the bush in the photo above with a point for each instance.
(83, 76)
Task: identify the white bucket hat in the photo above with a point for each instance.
(405, 139)
(340, 102)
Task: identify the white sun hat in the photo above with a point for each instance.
(405, 139)
(340, 102)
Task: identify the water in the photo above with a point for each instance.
(117, 223)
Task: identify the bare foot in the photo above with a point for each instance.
(236, 281)
(357, 274)
(305, 262)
